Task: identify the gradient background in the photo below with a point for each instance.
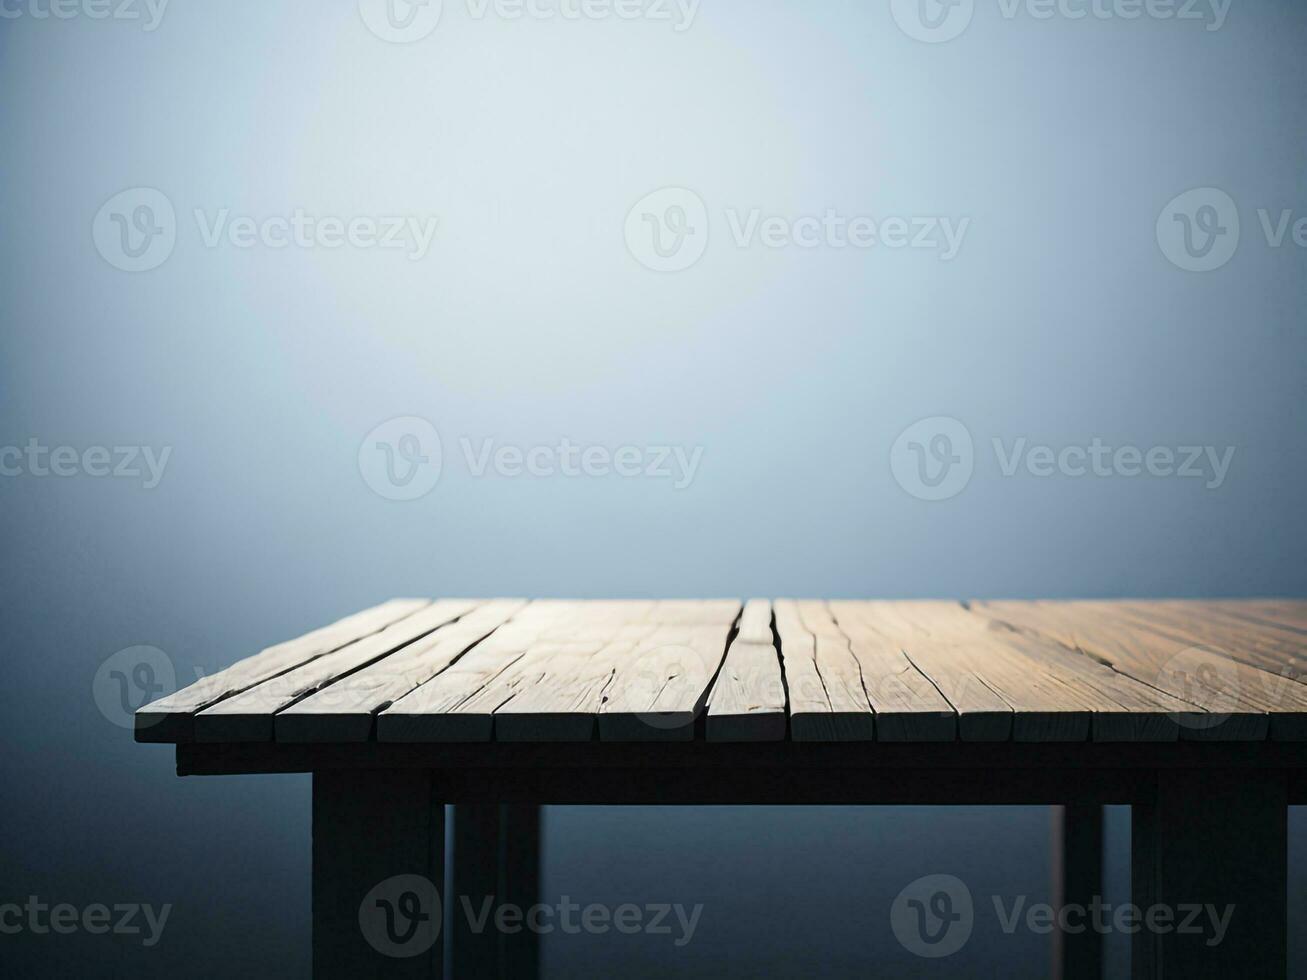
(530, 321)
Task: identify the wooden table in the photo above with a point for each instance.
(1194, 713)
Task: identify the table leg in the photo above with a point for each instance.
(378, 869)
(520, 871)
(1078, 880)
(474, 942)
(1217, 840)
(496, 861)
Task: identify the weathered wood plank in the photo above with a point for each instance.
(747, 702)
(659, 691)
(247, 717)
(554, 693)
(344, 711)
(1269, 648)
(1231, 700)
(908, 705)
(827, 700)
(1053, 688)
(171, 719)
(1285, 614)
(545, 648)
(983, 715)
(960, 653)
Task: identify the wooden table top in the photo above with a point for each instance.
(510, 670)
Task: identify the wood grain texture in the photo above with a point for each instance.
(933, 637)
(1270, 648)
(1286, 614)
(171, 719)
(1053, 688)
(247, 717)
(508, 670)
(908, 705)
(544, 658)
(1230, 700)
(827, 700)
(659, 690)
(344, 711)
(747, 702)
